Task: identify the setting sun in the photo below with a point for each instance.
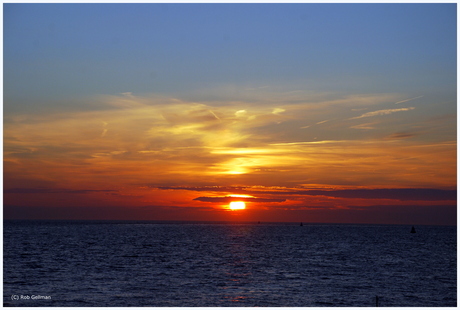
(237, 205)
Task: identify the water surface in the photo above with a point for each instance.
(227, 264)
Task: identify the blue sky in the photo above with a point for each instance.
(53, 51)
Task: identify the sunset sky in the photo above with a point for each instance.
(342, 113)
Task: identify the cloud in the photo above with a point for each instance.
(240, 113)
(402, 101)
(54, 191)
(382, 112)
(232, 189)
(402, 194)
(230, 199)
(385, 193)
(401, 135)
(313, 142)
(366, 126)
(104, 130)
(278, 111)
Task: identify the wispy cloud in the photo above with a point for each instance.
(129, 140)
(383, 112)
(410, 99)
(104, 129)
(401, 135)
(278, 111)
(366, 126)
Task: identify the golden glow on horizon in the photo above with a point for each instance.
(237, 205)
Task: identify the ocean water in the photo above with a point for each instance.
(117, 264)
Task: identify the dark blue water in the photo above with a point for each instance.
(209, 265)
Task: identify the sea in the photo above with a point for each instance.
(221, 264)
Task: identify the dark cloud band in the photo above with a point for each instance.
(384, 193)
(54, 191)
(403, 194)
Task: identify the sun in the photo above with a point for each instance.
(237, 205)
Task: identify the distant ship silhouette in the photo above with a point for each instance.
(412, 230)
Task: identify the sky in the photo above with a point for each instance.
(326, 113)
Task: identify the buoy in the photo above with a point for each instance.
(301, 224)
(412, 230)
